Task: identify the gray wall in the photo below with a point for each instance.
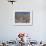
(9, 31)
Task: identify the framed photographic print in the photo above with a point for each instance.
(23, 18)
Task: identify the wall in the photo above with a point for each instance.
(9, 31)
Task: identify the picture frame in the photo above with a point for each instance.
(23, 18)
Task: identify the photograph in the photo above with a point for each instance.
(23, 18)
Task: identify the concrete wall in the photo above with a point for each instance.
(8, 31)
